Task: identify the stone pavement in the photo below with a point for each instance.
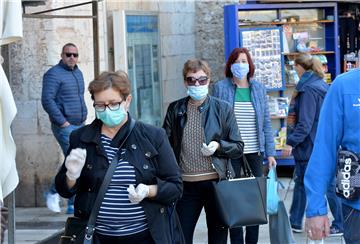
(34, 225)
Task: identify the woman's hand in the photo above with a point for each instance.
(74, 163)
(286, 152)
(142, 191)
(271, 161)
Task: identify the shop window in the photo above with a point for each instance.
(142, 62)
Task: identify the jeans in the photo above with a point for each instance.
(62, 136)
(335, 206)
(298, 204)
(255, 161)
(197, 195)
(351, 224)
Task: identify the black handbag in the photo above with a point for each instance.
(241, 201)
(81, 231)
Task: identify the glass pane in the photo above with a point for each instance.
(143, 67)
(303, 14)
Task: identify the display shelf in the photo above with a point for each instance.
(318, 22)
(250, 24)
(312, 53)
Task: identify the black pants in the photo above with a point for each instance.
(197, 195)
(138, 238)
(255, 161)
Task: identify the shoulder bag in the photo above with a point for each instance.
(348, 175)
(81, 231)
(241, 201)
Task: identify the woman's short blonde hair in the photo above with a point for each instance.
(118, 81)
(194, 65)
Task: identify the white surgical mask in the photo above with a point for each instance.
(198, 92)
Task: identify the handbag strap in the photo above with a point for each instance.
(246, 169)
(247, 172)
(90, 228)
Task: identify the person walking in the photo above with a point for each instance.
(302, 124)
(249, 102)
(339, 125)
(146, 180)
(203, 133)
(63, 99)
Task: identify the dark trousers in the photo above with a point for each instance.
(255, 161)
(351, 224)
(197, 195)
(138, 238)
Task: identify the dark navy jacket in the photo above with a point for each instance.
(311, 93)
(63, 95)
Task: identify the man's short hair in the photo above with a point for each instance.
(68, 45)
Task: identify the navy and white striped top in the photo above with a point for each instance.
(117, 215)
(246, 119)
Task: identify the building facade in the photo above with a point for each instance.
(151, 40)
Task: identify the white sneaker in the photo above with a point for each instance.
(53, 202)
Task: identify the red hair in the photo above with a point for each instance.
(234, 56)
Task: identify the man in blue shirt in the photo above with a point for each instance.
(63, 99)
(339, 125)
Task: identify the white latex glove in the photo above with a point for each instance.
(208, 150)
(137, 194)
(74, 163)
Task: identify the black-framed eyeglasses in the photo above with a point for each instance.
(100, 107)
(75, 55)
(191, 81)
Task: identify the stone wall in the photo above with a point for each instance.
(210, 34)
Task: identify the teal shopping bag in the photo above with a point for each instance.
(272, 198)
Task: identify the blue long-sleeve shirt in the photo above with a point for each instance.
(63, 95)
(339, 125)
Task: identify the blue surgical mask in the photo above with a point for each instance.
(198, 92)
(240, 70)
(112, 118)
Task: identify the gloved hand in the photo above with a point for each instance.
(208, 150)
(137, 194)
(74, 163)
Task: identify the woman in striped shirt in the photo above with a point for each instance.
(146, 179)
(248, 98)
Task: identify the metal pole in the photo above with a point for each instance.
(95, 38)
(11, 217)
(56, 9)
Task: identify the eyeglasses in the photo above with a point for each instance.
(100, 107)
(191, 81)
(75, 55)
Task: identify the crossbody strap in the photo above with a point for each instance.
(90, 228)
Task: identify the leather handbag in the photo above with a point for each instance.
(81, 231)
(241, 201)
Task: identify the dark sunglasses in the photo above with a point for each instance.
(75, 55)
(191, 81)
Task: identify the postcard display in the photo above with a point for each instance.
(265, 47)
